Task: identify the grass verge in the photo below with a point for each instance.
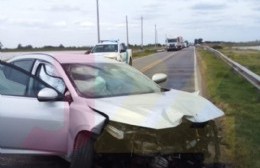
(241, 103)
(247, 58)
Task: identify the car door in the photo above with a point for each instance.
(25, 122)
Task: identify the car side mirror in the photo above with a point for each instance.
(121, 51)
(159, 78)
(88, 52)
(47, 94)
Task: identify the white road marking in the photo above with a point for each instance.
(196, 85)
(153, 64)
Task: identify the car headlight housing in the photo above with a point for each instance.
(115, 132)
(120, 130)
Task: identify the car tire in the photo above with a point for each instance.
(82, 156)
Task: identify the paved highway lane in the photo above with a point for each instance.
(179, 66)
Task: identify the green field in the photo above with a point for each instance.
(247, 58)
(240, 127)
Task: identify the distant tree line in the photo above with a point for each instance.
(21, 47)
(135, 46)
(27, 47)
(61, 47)
(198, 41)
(222, 44)
(249, 43)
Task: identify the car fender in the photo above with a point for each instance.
(83, 118)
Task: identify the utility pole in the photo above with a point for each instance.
(127, 39)
(98, 31)
(155, 36)
(142, 32)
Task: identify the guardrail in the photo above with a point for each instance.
(247, 74)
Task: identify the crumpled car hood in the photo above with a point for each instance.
(157, 110)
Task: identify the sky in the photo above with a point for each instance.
(74, 22)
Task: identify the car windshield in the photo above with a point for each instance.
(172, 40)
(105, 80)
(105, 48)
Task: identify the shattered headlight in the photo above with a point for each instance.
(115, 132)
(120, 130)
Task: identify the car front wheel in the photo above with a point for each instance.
(82, 156)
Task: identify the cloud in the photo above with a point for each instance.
(85, 24)
(257, 8)
(151, 11)
(3, 19)
(133, 25)
(153, 7)
(120, 25)
(200, 23)
(186, 17)
(30, 23)
(61, 24)
(208, 6)
(65, 8)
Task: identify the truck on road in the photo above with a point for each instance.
(174, 43)
(113, 49)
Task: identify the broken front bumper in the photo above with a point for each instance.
(188, 137)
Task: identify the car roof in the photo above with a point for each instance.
(102, 42)
(107, 42)
(64, 58)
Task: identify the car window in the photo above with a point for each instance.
(47, 73)
(18, 82)
(24, 64)
(171, 40)
(105, 48)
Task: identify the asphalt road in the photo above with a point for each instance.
(179, 66)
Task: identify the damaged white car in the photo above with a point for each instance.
(98, 112)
